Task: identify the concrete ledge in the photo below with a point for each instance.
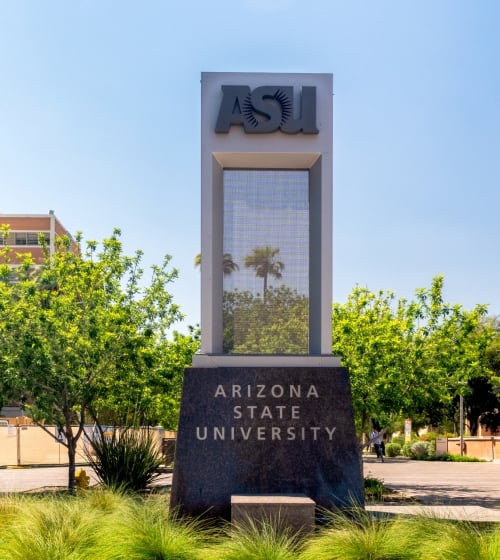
(232, 360)
(295, 512)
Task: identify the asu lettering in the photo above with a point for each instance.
(267, 109)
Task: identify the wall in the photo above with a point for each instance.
(487, 448)
(31, 445)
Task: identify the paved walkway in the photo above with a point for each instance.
(454, 490)
(13, 479)
(446, 489)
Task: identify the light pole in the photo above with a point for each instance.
(461, 428)
(18, 444)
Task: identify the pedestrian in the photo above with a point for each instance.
(376, 439)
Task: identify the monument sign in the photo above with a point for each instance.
(266, 408)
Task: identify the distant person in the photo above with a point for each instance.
(376, 439)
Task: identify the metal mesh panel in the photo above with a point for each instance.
(266, 261)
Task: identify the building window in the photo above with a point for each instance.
(21, 238)
(31, 238)
(24, 238)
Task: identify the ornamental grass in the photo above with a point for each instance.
(147, 529)
(253, 540)
(465, 541)
(50, 528)
(359, 535)
(100, 524)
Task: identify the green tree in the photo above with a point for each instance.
(482, 404)
(493, 350)
(265, 263)
(87, 336)
(482, 401)
(11, 276)
(369, 337)
(407, 359)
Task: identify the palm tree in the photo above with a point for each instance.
(228, 265)
(265, 263)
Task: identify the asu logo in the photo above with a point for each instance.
(267, 109)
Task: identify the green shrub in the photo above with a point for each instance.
(458, 458)
(420, 449)
(392, 449)
(398, 439)
(406, 449)
(374, 488)
(432, 448)
(129, 460)
(429, 436)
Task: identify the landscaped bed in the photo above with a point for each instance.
(103, 525)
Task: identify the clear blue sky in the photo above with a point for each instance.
(100, 121)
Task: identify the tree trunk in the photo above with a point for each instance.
(71, 464)
(473, 425)
(71, 442)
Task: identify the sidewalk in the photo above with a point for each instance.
(27, 479)
(469, 491)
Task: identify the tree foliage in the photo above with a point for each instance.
(483, 399)
(408, 358)
(86, 337)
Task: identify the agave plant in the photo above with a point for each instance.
(128, 460)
